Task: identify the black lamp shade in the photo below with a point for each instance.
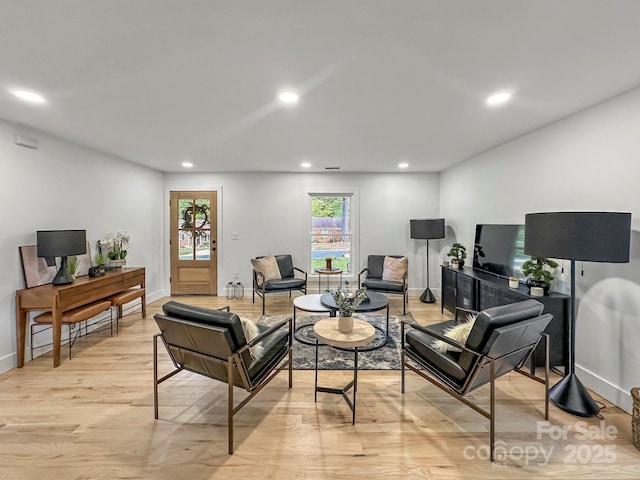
(427, 228)
(61, 243)
(582, 236)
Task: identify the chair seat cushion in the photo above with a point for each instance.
(422, 345)
(284, 284)
(383, 285)
(273, 347)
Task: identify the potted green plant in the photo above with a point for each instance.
(347, 302)
(457, 253)
(538, 275)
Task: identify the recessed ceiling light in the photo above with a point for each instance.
(187, 164)
(498, 98)
(403, 165)
(287, 96)
(28, 96)
(305, 165)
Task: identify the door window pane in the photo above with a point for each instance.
(194, 229)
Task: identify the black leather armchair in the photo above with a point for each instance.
(371, 278)
(287, 283)
(502, 340)
(212, 343)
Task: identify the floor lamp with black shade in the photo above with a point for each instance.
(577, 236)
(427, 229)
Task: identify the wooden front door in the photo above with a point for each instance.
(193, 243)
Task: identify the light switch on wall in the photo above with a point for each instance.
(235, 236)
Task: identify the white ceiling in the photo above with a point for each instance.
(159, 82)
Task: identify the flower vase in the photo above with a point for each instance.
(117, 263)
(345, 324)
(328, 263)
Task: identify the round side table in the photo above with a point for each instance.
(328, 272)
(375, 302)
(327, 331)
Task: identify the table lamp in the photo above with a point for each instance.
(61, 243)
(426, 229)
(581, 236)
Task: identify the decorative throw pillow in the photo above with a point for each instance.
(251, 331)
(395, 268)
(459, 333)
(267, 266)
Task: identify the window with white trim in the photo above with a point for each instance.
(331, 221)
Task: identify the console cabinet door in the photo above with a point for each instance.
(492, 295)
(458, 290)
(448, 290)
(465, 292)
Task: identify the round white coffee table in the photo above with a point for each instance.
(327, 331)
(307, 303)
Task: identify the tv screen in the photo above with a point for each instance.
(499, 249)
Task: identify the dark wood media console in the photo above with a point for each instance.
(476, 290)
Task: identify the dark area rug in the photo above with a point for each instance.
(329, 358)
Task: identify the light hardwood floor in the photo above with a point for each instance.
(92, 418)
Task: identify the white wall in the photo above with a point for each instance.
(62, 185)
(268, 211)
(589, 161)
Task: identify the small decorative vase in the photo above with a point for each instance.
(454, 264)
(328, 263)
(537, 292)
(345, 324)
(117, 263)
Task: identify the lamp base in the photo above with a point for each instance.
(427, 296)
(63, 276)
(571, 396)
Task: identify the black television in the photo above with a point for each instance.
(499, 249)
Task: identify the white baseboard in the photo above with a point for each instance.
(8, 362)
(416, 292)
(602, 387)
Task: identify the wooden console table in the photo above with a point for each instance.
(60, 298)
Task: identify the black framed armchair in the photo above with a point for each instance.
(212, 343)
(501, 340)
(276, 274)
(375, 279)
